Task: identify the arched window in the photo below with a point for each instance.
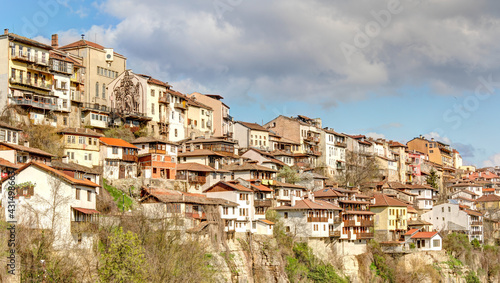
(96, 89)
(103, 90)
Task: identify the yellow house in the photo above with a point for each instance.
(487, 202)
(81, 146)
(391, 217)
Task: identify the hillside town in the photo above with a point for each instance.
(190, 157)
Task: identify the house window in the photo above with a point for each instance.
(89, 195)
(103, 91)
(81, 140)
(152, 92)
(115, 150)
(285, 215)
(175, 132)
(77, 194)
(436, 243)
(152, 108)
(96, 89)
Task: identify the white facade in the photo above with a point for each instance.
(424, 198)
(43, 215)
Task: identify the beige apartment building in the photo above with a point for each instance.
(223, 123)
(102, 65)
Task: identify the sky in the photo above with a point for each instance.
(394, 69)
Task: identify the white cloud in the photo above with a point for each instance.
(290, 49)
(493, 160)
(375, 135)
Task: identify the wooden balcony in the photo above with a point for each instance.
(131, 158)
(366, 223)
(83, 227)
(164, 99)
(335, 234)
(317, 219)
(349, 223)
(337, 220)
(197, 179)
(340, 144)
(196, 215)
(266, 203)
(180, 106)
(364, 236)
(476, 223)
(476, 232)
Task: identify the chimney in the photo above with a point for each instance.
(26, 143)
(6, 31)
(421, 136)
(55, 41)
(432, 139)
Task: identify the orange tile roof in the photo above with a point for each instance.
(384, 200)
(6, 163)
(411, 232)
(424, 235)
(327, 193)
(253, 126)
(308, 204)
(27, 149)
(116, 142)
(266, 221)
(86, 210)
(262, 188)
(488, 198)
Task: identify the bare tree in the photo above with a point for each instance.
(360, 168)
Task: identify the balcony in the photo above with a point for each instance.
(476, 232)
(340, 167)
(476, 223)
(337, 220)
(335, 234)
(364, 236)
(366, 223)
(266, 203)
(78, 78)
(77, 96)
(197, 179)
(317, 219)
(83, 227)
(31, 83)
(28, 58)
(196, 215)
(35, 104)
(128, 157)
(228, 117)
(180, 106)
(340, 144)
(95, 107)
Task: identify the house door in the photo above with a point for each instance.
(121, 174)
(418, 244)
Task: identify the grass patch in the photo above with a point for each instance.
(118, 196)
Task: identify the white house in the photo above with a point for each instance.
(8, 133)
(37, 187)
(424, 241)
(118, 158)
(424, 197)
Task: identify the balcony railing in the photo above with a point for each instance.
(196, 215)
(476, 232)
(366, 223)
(78, 78)
(364, 235)
(335, 234)
(317, 219)
(95, 106)
(36, 104)
(340, 144)
(83, 227)
(197, 179)
(77, 96)
(266, 203)
(180, 106)
(337, 220)
(31, 83)
(476, 223)
(164, 99)
(349, 223)
(30, 58)
(128, 157)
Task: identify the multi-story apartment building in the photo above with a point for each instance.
(357, 220)
(391, 220)
(157, 158)
(438, 152)
(81, 146)
(118, 158)
(26, 79)
(451, 217)
(222, 121)
(251, 135)
(102, 66)
(61, 68)
(334, 147)
(173, 115)
(199, 118)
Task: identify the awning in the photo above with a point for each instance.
(86, 210)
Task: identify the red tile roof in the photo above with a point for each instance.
(116, 142)
(266, 221)
(424, 235)
(384, 200)
(489, 198)
(27, 149)
(411, 232)
(86, 210)
(82, 43)
(327, 193)
(308, 204)
(6, 163)
(262, 188)
(5, 125)
(253, 126)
